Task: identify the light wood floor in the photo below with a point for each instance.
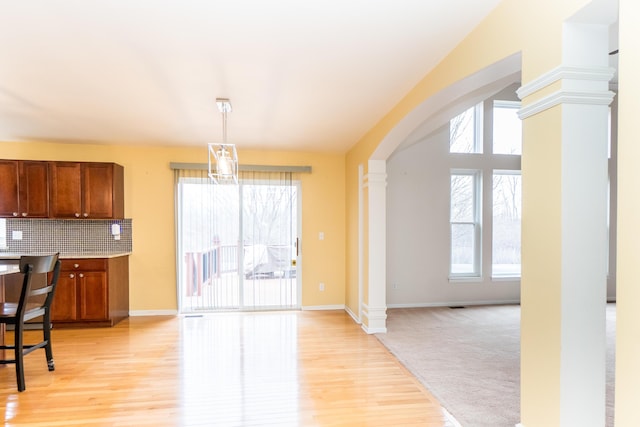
(237, 369)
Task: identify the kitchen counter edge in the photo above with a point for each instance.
(85, 255)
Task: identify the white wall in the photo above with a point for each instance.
(418, 223)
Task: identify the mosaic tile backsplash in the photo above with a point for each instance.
(87, 236)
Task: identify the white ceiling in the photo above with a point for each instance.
(301, 75)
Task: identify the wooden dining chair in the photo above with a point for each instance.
(33, 302)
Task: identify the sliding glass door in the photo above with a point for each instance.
(237, 244)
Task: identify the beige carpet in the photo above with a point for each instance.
(469, 358)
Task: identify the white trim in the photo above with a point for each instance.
(353, 315)
(372, 331)
(565, 72)
(465, 279)
(375, 309)
(141, 313)
(376, 319)
(573, 77)
(454, 304)
(323, 307)
(360, 241)
(437, 109)
(373, 178)
(506, 278)
(519, 425)
(604, 97)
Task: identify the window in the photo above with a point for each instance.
(465, 224)
(507, 128)
(507, 215)
(465, 131)
(497, 201)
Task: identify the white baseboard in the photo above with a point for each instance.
(353, 315)
(453, 303)
(140, 313)
(324, 307)
(371, 331)
(519, 425)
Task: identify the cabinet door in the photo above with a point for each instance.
(34, 189)
(9, 191)
(93, 295)
(66, 198)
(97, 190)
(64, 306)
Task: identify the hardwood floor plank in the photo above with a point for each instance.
(227, 369)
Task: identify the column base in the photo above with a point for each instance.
(374, 319)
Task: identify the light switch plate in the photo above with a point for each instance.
(16, 235)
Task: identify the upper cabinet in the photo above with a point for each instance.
(86, 190)
(24, 189)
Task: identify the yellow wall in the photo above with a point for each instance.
(628, 291)
(533, 27)
(528, 26)
(541, 287)
(149, 201)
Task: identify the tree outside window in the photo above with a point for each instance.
(507, 218)
(465, 224)
(465, 131)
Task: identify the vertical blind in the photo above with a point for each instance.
(236, 244)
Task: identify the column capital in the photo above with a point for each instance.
(578, 85)
(377, 173)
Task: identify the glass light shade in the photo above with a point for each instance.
(223, 163)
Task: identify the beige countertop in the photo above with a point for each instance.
(9, 268)
(16, 256)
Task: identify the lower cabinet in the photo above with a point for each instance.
(92, 292)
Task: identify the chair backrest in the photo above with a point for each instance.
(29, 306)
(39, 263)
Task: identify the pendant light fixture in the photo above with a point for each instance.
(223, 158)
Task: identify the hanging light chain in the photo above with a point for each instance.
(224, 127)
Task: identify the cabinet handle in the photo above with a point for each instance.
(76, 265)
(80, 275)
(77, 215)
(71, 276)
(24, 214)
(15, 214)
(85, 215)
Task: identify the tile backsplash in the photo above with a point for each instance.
(88, 236)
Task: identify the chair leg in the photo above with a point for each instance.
(19, 330)
(46, 331)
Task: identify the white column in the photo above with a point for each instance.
(375, 309)
(583, 97)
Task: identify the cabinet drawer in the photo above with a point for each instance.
(84, 264)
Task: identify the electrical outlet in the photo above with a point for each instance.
(16, 235)
(321, 286)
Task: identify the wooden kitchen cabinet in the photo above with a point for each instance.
(92, 292)
(86, 190)
(24, 191)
